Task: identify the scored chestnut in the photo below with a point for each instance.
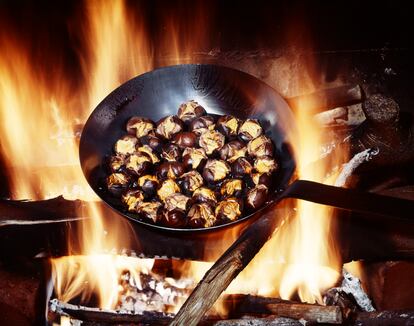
(117, 183)
(148, 150)
(173, 218)
(260, 146)
(265, 164)
(170, 170)
(132, 198)
(138, 163)
(231, 188)
(229, 209)
(260, 179)
(169, 126)
(150, 210)
(167, 187)
(193, 158)
(152, 141)
(116, 163)
(190, 181)
(227, 125)
(149, 184)
(205, 195)
(177, 201)
(171, 153)
(190, 110)
(241, 167)
(139, 126)
(211, 141)
(201, 215)
(256, 197)
(185, 139)
(126, 145)
(233, 150)
(202, 124)
(215, 170)
(250, 129)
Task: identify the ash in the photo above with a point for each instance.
(150, 292)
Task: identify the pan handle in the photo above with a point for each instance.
(350, 199)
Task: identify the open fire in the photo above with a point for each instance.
(299, 261)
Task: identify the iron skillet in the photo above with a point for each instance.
(220, 90)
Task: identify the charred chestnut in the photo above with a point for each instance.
(138, 163)
(202, 124)
(150, 210)
(256, 197)
(173, 218)
(132, 198)
(231, 188)
(227, 125)
(261, 179)
(215, 170)
(148, 150)
(201, 215)
(250, 129)
(193, 158)
(169, 126)
(149, 184)
(241, 167)
(265, 164)
(190, 181)
(177, 201)
(167, 187)
(170, 170)
(126, 145)
(260, 146)
(139, 126)
(171, 153)
(233, 150)
(185, 139)
(190, 110)
(229, 209)
(211, 141)
(205, 195)
(116, 163)
(152, 141)
(117, 183)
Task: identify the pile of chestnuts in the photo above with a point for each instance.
(192, 170)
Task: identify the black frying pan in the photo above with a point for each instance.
(220, 90)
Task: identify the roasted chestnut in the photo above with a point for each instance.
(116, 163)
(132, 198)
(177, 201)
(150, 210)
(190, 181)
(170, 170)
(152, 141)
(227, 125)
(215, 170)
(167, 187)
(117, 183)
(126, 145)
(241, 167)
(233, 150)
(202, 124)
(256, 197)
(265, 164)
(250, 129)
(260, 146)
(211, 141)
(171, 153)
(190, 110)
(205, 195)
(148, 150)
(149, 184)
(139, 126)
(260, 179)
(201, 215)
(231, 188)
(193, 158)
(138, 163)
(229, 209)
(185, 139)
(169, 126)
(173, 218)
